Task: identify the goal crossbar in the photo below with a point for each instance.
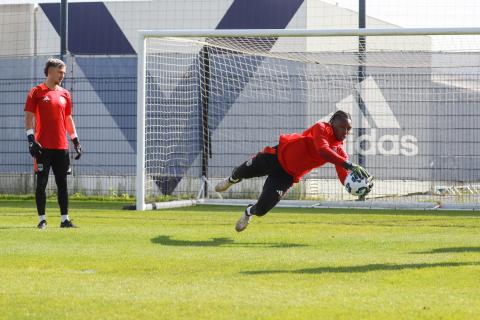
(223, 33)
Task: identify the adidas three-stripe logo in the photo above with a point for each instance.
(378, 115)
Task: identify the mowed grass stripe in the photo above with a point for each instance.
(189, 263)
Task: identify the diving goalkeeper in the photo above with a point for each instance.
(293, 157)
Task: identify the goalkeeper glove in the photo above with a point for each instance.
(34, 147)
(78, 148)
(358, 170)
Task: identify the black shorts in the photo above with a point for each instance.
(278, 180)
(57, 159)
(266, 164)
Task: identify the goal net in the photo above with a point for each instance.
(210, 100)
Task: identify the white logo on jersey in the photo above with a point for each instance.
(63, 101)
(46, 99)
(380, 116)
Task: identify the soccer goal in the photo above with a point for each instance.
(209, 100)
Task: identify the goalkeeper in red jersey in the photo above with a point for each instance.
(48, 119)
(293, 157)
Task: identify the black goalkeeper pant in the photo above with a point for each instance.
(59, 161)
(276, 185)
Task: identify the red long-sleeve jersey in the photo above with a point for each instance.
(301, 153)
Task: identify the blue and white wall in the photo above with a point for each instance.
(103, 40)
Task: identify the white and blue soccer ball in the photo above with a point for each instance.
(357, 186)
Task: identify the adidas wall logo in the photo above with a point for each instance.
(378, 115)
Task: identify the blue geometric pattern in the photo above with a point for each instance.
(92, 30)
(104, 37)
(260, 14)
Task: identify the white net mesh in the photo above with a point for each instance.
(211, 103)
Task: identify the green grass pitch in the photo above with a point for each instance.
(189, 263)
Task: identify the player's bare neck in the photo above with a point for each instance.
(51, 85)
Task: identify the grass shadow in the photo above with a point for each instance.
(219, 242)
(450, 250)
(365, 268)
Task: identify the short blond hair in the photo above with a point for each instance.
(53, 62)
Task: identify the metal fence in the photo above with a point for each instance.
(104, 99)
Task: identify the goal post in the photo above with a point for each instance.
(210, 99)
(140, 171)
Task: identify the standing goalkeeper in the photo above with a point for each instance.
(294, 156)
(50, 107)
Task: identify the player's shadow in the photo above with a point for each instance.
(450, 250)
(365, 268)
(219, 242)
